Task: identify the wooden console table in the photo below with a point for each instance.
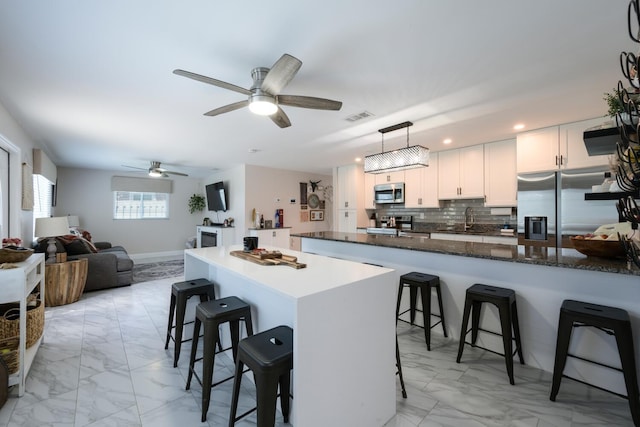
(65, 281)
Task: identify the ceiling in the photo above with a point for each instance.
(92, 82)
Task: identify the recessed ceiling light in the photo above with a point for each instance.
(518, 126)
(447, 141)
(358, 159)
(253, 150)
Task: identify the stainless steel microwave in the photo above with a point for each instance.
(389, 193)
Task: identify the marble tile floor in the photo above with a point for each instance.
(103, 363)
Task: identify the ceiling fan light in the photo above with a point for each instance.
(262, 105)
(155, 173)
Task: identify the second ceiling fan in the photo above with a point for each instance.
(264, 95)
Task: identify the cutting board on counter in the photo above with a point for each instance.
(270, 258)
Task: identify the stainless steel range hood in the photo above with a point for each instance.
(601, 140)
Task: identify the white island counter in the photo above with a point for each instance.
(343, 317)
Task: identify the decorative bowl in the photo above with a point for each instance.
(599, 248)
(14, 254)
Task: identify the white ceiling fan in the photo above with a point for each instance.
(155, 171)
(264, 97)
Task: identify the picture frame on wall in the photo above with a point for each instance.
(316, 215)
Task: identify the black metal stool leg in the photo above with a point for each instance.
(463, 328)
(172, 307)
(267, 394)
(425, 295)
(505, 322)
(400, 288)
(565, 327)
(285, 390)
(194, 349)
(476, 309)
(441, 308)
(516, 330)
(399, 366)
(208, 361)
(413, 301)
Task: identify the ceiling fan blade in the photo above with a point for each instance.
(227, 108)
(134, 167)
(281, 74)
(212, 81)
(174, 173)
(308, 102)
(280, 118)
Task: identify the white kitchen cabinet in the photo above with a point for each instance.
(500, 240)
(421, 185)
(17, 284)
(461, 173)
(572, 146)
(369, 197)
(390, 177)
(272, 237)
(556, 147)
(350, 187)
(350, 198)
(500, 176)
(347, 221)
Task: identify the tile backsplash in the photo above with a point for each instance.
(451, 212)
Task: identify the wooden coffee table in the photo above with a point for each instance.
(65, 281)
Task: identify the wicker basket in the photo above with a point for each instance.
(10, 321)
(9, 351)
(14, 255)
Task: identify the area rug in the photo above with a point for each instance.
(157, 270)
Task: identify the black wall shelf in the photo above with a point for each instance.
(613, 195)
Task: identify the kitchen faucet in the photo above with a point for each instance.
(469, 218)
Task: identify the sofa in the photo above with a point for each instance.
(108, 266)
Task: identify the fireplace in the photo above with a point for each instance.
(208, 239)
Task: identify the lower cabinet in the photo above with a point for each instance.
(272, 237)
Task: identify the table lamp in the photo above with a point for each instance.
(51, 228)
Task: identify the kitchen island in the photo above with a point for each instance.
(541, 277)
(344, 329)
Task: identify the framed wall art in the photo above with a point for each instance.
(317, 215)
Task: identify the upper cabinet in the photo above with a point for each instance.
(369, 197)
(421, 185)
(350, 204)
(350, 188)
(390, 177)
(461, 173)
(500, 176)
(557, 147)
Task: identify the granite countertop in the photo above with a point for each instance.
(567, 258)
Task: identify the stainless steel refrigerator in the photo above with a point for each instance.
(552, 206)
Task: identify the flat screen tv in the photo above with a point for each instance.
(216, 197)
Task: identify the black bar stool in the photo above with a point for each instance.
(212, 314)
(423, 282)
(611, 320)
(180, 293)
(505, 300)
(269, 355)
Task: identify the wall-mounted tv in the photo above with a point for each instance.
(216, 197)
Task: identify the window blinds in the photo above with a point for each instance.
(143, 185)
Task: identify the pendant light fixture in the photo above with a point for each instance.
(405, 158)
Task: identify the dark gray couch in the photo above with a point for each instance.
(110, 267)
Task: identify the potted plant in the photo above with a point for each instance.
(196, 203)
(614, 103)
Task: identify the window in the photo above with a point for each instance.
(42, 197)
(140, 205)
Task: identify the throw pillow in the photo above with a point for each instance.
(77, 245)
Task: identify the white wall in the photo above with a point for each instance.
(20, 146)
(87, 193)
(256, 187)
